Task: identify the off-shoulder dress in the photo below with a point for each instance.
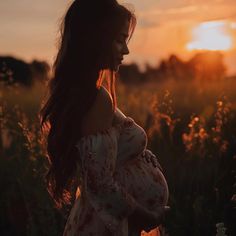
(115, 177)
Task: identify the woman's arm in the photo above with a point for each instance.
(143, 219)
(98, 151)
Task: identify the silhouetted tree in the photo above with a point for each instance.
(15, 70)
(151, 73)
(131, 74)
(40, 70)
(174, 68)
(208, 66)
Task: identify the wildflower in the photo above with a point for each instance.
(220, 229)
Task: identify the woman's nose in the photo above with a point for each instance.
(125, 49)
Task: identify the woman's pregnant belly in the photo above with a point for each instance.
(144, 182)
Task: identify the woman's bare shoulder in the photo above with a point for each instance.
(100, 116)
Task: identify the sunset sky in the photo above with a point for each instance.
(29, 29)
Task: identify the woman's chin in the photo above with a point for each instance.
(117, 67)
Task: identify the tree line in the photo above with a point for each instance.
(204, 66)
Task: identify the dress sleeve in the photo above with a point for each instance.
(110, 200)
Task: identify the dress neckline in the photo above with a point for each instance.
(115, 127)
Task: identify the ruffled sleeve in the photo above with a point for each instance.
(111, 202)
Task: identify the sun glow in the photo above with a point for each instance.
(210, 36)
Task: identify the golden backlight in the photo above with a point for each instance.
(210, 36)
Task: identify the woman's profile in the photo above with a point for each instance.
(91, 144)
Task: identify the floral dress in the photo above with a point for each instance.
(115, 177)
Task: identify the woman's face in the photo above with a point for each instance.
(120, 47)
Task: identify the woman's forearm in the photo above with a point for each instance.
(142, 219)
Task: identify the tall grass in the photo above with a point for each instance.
(191, 128)
(26, 208)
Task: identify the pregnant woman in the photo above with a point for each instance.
(91, 144)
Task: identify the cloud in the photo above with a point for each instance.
(233, 25)
(182, 10)
(148, 23)
(189, 13)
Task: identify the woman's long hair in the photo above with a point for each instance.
(84, 58)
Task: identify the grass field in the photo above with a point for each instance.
(191, 128)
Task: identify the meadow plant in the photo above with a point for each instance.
(195, 139)
(196, 160)
(161, 112)
(192, 133)
(220, 229)
(208, 139)
(26, 208)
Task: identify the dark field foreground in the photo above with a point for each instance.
(191, 128)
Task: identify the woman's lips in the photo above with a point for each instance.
(120, 60)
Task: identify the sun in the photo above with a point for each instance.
(210, 35)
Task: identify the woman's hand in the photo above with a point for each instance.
(143, 219)
(150, 157)
(156, 219)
